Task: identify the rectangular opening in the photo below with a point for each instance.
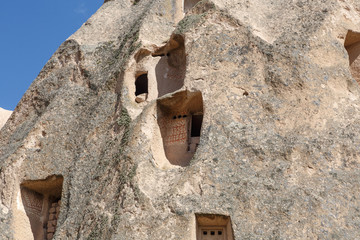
(196, 122)
(141, 84)
(213, 227)
(41, 200)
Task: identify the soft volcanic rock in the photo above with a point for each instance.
(190, 120)
(4, 116)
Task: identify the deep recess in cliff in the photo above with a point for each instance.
(190, 120)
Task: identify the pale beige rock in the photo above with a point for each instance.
(278, 152)
(4, 116)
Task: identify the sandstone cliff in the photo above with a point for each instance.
(165, 119)
(4, 116)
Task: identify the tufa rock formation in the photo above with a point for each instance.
(4, 116)
(191, 120)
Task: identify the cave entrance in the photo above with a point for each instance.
(352, 46)
(141, 87)
(213, 227)
(41, 200)
(180, 118)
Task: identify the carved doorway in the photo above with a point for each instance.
(213, 227)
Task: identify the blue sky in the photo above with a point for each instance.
(31, 31)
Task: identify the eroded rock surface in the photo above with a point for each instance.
(278, 156)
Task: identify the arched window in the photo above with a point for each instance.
(141, 84)
(141, 87)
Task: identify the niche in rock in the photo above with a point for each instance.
(188, 4)
(141, 87)
(213, 227)
(41, 200)
(180, 118)
(352, 46)
(171, 68)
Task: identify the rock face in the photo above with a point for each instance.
(191, 120)
(4, 116)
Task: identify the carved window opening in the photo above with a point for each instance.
(180, 119)
(213, 227)
(141, 85)
(171, 68)
(195, 130)
(41, 200)
(188, 4)
(196, 122)
(352, 46)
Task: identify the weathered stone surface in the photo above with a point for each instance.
(279, 150)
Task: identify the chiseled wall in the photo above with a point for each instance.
(33, 204)
(169, 78)
(175, 132)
